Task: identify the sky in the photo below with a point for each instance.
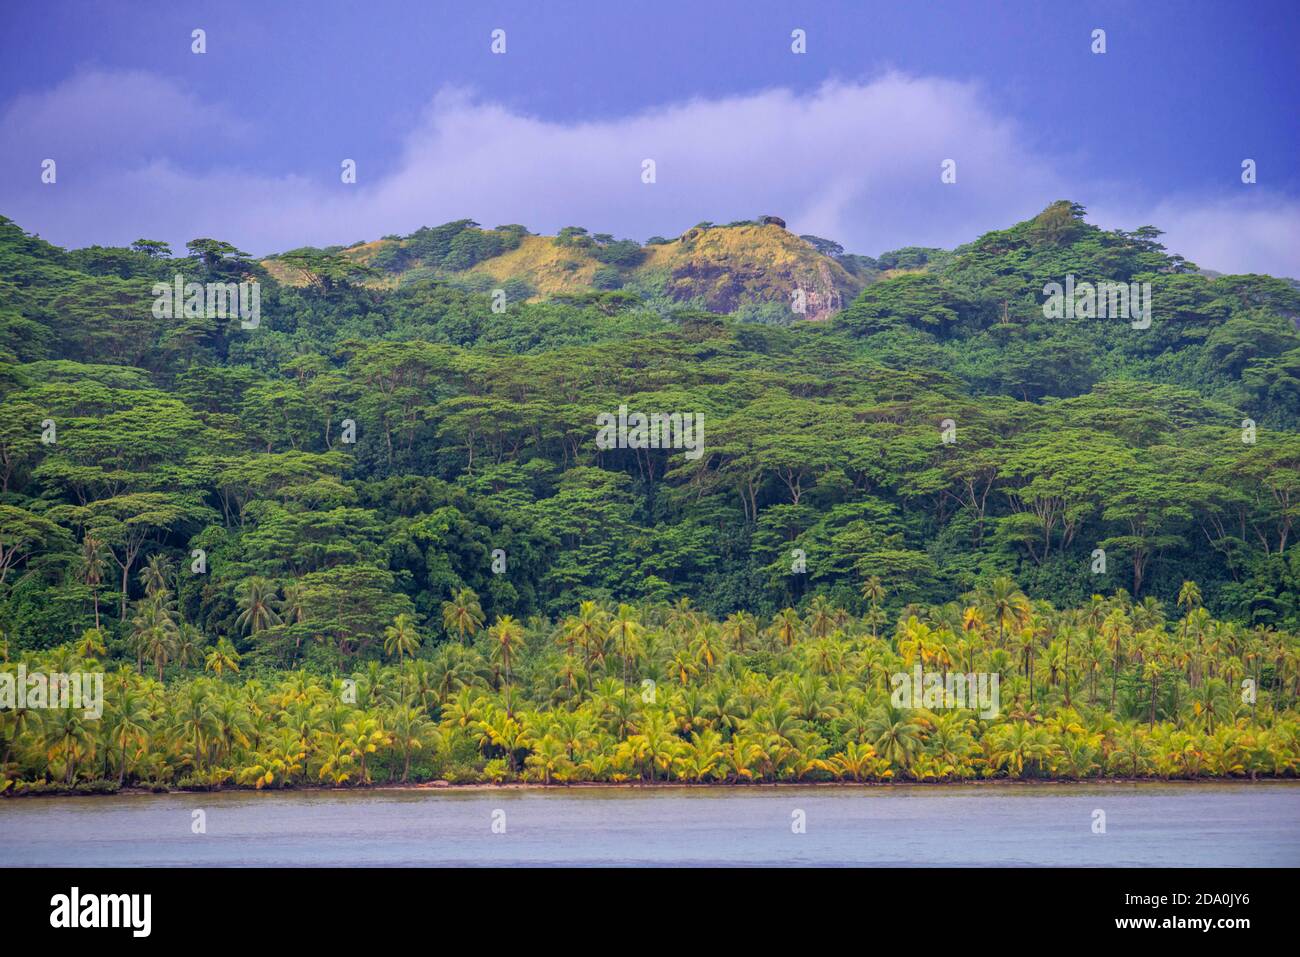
(245, 142)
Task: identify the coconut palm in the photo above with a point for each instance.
(1007, 605)
(787, 626)
(256, 599)
(68, 739)
(195, 720)
(740, 629)
(821, 617)
(91, 643)
(292, 609)
(154, 633)
(155, 576)
(92, 564)
(507, 636)
(411, 732)
(858, 762)
(1018, 747)
(362, 737)
(624, 630)
(653, 747)
(1132, 750)
(189, 645)
(462, 614)
(401, 638)
(222, 658)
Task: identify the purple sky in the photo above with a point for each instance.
(244, 142)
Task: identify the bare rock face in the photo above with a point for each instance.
(727, 267)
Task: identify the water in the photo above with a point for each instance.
(1146, 825)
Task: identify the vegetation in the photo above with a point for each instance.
(667, 693)
(398, 486)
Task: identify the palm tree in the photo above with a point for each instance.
(13, 722)
(812, 699)
(873, 592)
(1115, 629)
(507, 636)
(189, 645)
(154, 575)
(256, 597)
(896, 735)
(362, 738)
(91, 643)
(154, 633)
(1132, 750)
(739, 628)
(401, 638)
(857, 761)
(92, 564)
(126, 724)
(232, 724)
(582, 629)
(293, 609)
(1018, 746)
(411, 732)
(821, 617)
(654, 746)
(1208, 700)
(624, 630)
(549, 757)
(703, 758)
(66, 737)
(462, 614)
(195, 722)
(498, 729)
(787, 626)
(1025, 645)
(454, 667)
(706, 647)
(1007, 603)
(222, 658)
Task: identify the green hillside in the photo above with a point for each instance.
(393, 465)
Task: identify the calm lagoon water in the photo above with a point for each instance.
(1146, 825)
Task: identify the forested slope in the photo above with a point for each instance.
(938, 438)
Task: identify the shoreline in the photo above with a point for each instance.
(648, 786)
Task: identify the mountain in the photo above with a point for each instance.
(384, 427)
(755, 268)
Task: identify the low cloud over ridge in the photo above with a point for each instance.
(858, 162)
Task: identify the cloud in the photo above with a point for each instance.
(1256, 231)
(858, 162)
(121, 119)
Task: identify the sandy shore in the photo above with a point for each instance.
(668, 786)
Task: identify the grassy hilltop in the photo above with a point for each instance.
(751, 265)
